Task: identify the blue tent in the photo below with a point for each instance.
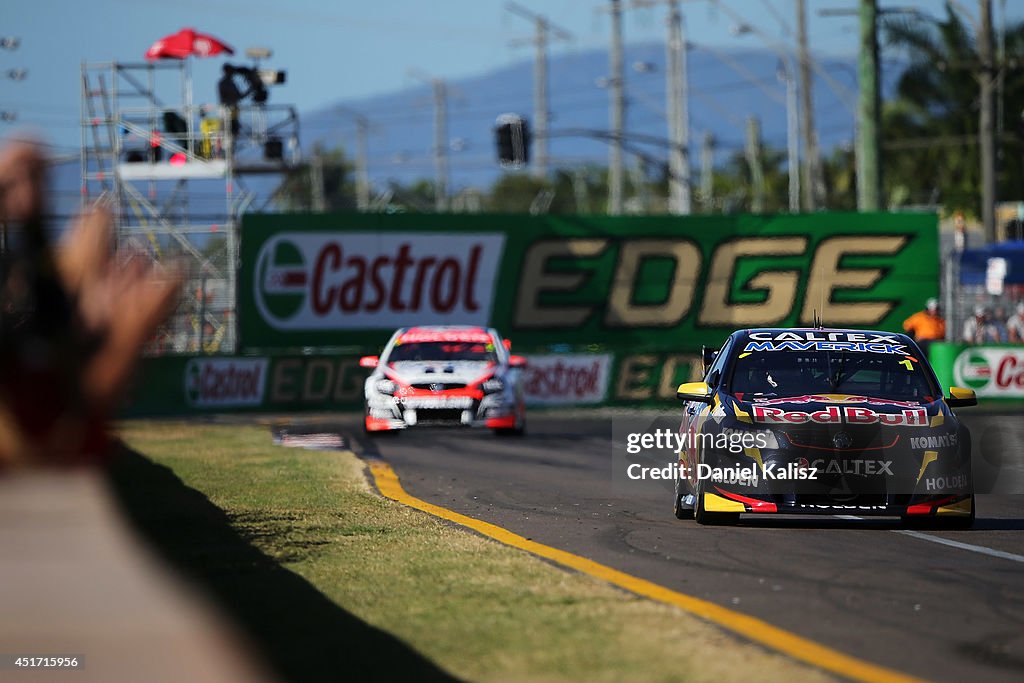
(974, 263)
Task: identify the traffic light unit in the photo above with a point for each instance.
(512, 135)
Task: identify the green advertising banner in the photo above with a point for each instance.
(171, 385)
(648, 285)
(227, 384)
(993, 371)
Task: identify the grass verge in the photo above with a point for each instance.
(311, 559)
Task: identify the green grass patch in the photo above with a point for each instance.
(479, 610)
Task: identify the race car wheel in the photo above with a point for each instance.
(376, 432)
(678, 509)
(518, 430)
(702, 516)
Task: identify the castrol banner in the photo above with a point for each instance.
(345, 281)
(225, 382)
(992, 371)
(570, 379)
(633, 287)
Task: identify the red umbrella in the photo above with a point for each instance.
(187, 43)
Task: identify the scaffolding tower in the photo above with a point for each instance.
(173, 174)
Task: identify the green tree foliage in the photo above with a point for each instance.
(733, 183)
(930, 129)
(840, 171)
(521, 193)
(417, 197)
(295, 193)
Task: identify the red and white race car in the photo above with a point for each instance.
(445, 376)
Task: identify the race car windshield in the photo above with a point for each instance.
(777, 374)
(442, 351)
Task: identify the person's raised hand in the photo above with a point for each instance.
(117, 301)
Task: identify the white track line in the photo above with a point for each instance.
(991, 552)
(963, 546)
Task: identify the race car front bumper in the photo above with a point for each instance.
(492, 411)
(720, 499)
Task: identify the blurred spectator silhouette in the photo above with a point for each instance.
(998, 321)
(176, 129)
(959, 232)
(1015, 325)
(209, 127)
(926, 326)
(230, 96)
(257, 88)
(979, 329)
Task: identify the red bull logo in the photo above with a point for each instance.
(916, 417)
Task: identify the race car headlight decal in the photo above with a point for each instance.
(493, 385)
(386, 386)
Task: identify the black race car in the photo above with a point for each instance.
(822, 421)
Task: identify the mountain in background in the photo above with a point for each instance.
(725, 88)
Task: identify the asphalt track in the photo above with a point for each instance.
(941, 605)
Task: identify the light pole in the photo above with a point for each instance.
(439, 89)
(617, 104)
(792, 135)
(787, 75)
(545, 31)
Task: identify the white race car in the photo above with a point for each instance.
(445, 376)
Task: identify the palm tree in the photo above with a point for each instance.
(930, 130)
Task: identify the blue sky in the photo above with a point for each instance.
(349, 49)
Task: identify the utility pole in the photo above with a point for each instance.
(869, 173)
(617, 103)
(812, 186)
(362, 162)
(316, 182)
(707, 172)
(362, 157)
(676, 90)
(581, 194)
(792, 134)
(439, 88)
(753, 154)
(545, 30)
(676, 107)
(440, 144)
(986, 127)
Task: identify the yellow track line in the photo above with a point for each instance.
(751, 628)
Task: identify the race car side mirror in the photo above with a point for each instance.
(369, 361)
(707, 356)
(507, 344)
(694, 391)
(516, 362)
(960, 397)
